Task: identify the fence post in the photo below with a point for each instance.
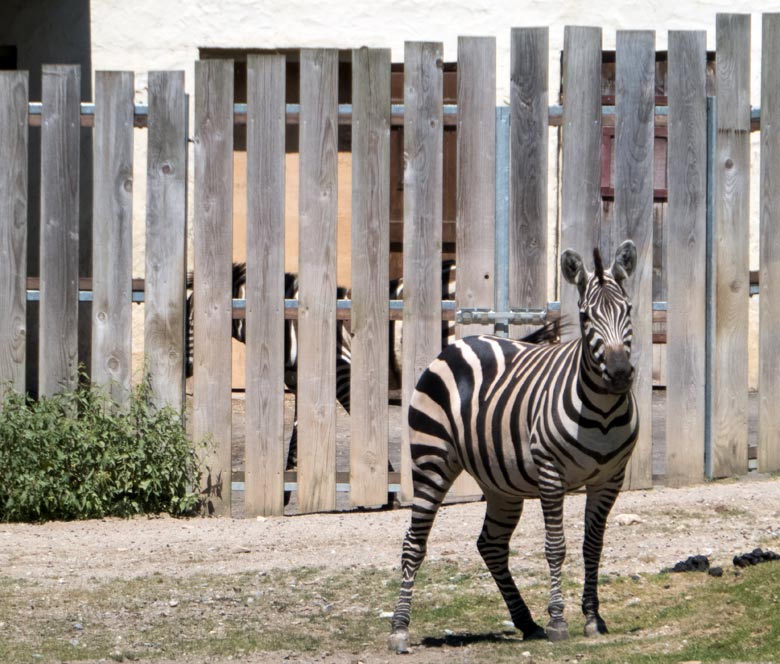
(370, 275)
(769, 343)
(730, 359)
(112, 241)
(213, 240)
(14, 87)
(317, 280)
(60, 138)
(529, 127)
(686, 251)
(166, 238)
(580, 186)
(423, 178)
(264, 487)
(634, 153)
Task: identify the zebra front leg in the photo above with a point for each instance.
(551, 493)
(501, 519)
(598, 505)
(292, 452)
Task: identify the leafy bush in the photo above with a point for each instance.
(77, 456)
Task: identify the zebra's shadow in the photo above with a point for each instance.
(459, 640)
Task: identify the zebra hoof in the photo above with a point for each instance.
(595, 626)
(557, 630)
(398, 642)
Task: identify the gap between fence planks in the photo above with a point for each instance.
(370, 275)
(14, 135)
(112, 234)
(686, 250)
(213, 241)
(264, 491)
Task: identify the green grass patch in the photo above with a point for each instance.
(658, 618)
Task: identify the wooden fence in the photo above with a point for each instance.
(689, 386)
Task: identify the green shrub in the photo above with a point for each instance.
(77, 456)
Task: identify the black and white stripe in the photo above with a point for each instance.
(529, 421)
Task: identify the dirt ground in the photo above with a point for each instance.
(718, 519)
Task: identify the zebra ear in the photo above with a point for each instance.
(625, 261)
(573, 269)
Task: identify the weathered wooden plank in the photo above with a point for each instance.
(58, 350)
(112, 234)
(476, 190)
(423, 178)
(370, 275)
(581, 175)
(634, 151)
(213, 241)
(528, 104)
(769, 325)
(14, 93)
(317, 281)
(732, 175)
(264, 492)
(686, 253)
(166, 238)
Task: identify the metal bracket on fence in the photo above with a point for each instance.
(514, 316)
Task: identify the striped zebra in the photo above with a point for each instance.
(529, 421)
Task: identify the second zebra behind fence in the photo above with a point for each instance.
(550, 332)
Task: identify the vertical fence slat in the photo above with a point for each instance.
(730, 356)
(686, 253)
(264, 492)
(213, 241)
(370, 275)
(769, 344)
(423, 178)
(14, 87)
(112, 239)
(317, 281)
(476, 190)
(476, 176)
(166, 238)
(528, 153)
(634, 153)
(580, 181)
(60, 140)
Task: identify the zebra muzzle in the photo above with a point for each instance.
(618, 371)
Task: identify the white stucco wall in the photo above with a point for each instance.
(148, 34)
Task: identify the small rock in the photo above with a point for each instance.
(628, 519)
(173, 602)
(78, 627)
(75, 643)
(385, 614)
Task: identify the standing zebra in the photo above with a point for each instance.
(529, 421)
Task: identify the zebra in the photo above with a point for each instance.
(529, 421)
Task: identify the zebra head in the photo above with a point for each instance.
(605, 314)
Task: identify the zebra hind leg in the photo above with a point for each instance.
(292, 451)
(432, 480)
(501, 519)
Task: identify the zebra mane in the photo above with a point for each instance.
(598, 265)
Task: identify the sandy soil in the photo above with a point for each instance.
(719, 519)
